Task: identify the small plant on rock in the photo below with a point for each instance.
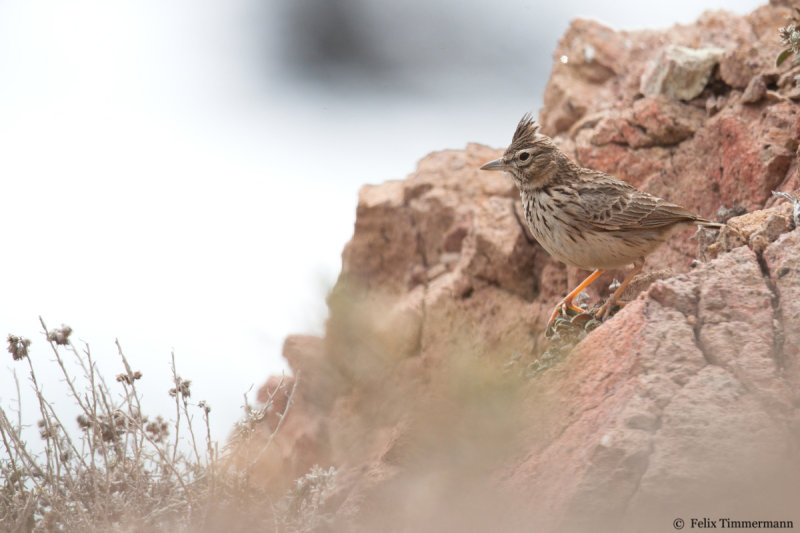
(790, 39)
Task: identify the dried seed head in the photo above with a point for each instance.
(113, 427)
(45, 431)
(157, 429)
(18, 346)
(60, 335)
(83, 422)
(181, 387)
(204, 406)
(128, 379)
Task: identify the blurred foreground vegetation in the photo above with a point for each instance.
(115, 468)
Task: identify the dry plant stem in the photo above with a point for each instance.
(165, 462)
(209, 442)
(29, 463)
(189, 422)
(89, 372)
(10, 473)
(171, 466)
(15, 431)
(66, 375)
(211, 461)
(93, 415)
(100, 390)
(132, 393)
(91, 412)
(19, 402)
(67, 474)
(18, 429)
(66, 436)
(7, 431)
(101, 406)
(43, 411)
(177, 408)
(282, 416)
(210, 494)
(180, 398)
(70, 382)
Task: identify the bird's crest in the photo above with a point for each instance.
(526, 132)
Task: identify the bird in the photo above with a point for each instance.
(586, 218)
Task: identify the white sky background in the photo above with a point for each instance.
(157, 189)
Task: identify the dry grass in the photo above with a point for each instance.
(122, 470)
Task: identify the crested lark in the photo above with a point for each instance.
(586, 218)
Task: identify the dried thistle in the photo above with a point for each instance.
(181, 387)
(18, 346)
(121, 470)
(111, 427)
(158, 429)
(83, 422)
(60, 335)
(46, 432)
(128, 379)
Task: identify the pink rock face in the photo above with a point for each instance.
(701, 389)
(434, 392)
(782, 258)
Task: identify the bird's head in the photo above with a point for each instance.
(530, 158)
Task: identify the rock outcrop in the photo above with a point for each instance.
(431, 393)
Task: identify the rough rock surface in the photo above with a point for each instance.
(681, 72)
(683, 404)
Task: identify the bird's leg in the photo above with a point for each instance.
(605, 310)
(562, 306)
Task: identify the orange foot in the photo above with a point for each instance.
(566, 303)
(605, 310)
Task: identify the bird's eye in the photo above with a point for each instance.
(524, 156)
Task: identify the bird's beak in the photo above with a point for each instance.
(497, 164)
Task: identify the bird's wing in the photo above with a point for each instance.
(613, 205)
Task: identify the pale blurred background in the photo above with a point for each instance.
(183, 175)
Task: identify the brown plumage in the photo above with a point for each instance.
(586, 218)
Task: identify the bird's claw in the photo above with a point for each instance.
(571, 325)
(605, 310)
(565, 313)
(563, 309)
